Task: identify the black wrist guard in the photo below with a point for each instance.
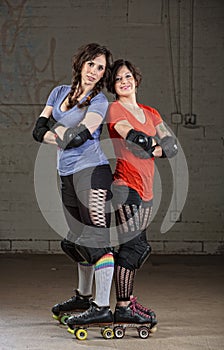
(40, 129)
(74, 137)
(139, 144)
(169, 147)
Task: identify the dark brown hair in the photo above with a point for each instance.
(114, 69)
(87, 53)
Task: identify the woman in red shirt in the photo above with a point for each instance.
(134, 129)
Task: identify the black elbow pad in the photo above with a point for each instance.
(139, 144)
(169, 147)
(74, 137)
(51, 123)
(40, 129)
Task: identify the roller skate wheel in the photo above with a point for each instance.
(72, 331)
(64, 319)
(81, 334)
(153, 329)
(55, 317)
(119, 332)
(143, 332)
(108, 333)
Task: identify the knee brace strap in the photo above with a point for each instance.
(92, 255)
(70, 249)
(93, 243)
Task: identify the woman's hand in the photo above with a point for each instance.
(49, 138)
(157, 151)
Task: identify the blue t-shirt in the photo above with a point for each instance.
(90, 153)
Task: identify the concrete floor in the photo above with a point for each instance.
(186, 292)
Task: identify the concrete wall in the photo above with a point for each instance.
(179, 47)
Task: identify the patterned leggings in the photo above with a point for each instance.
(85, 197)
(132, 218)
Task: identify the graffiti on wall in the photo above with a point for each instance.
(24, 72)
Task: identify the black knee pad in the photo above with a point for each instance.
(70, 249)
(93, 243)
(92, 255)
(134, 253)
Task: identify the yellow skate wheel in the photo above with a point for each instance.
(81, 334)
(57, 318)
(108, 333)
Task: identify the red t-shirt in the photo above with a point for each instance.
(130, 170)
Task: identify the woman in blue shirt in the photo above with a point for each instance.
(72, 119)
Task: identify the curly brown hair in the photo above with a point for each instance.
(114, 69)
(87, 53)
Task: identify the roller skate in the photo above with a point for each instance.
(132, 317)
(142, 308)
(95, 316)
(76, 303)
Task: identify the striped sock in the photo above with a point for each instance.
(85, 273)
(104, 269)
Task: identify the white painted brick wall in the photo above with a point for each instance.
(31, 245)
(5, 245)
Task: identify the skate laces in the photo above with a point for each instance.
(88, 312)
(71, 300)
(75, 297)
(140, 306)
(136, 310)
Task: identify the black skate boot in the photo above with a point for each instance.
(143, 309)
(131, 317)
(76, 303)
(94, 316)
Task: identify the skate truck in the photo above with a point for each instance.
(114, 330)
(131, 316)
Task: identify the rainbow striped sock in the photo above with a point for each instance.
(106, 261)
(104, 269)
(85, 263)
